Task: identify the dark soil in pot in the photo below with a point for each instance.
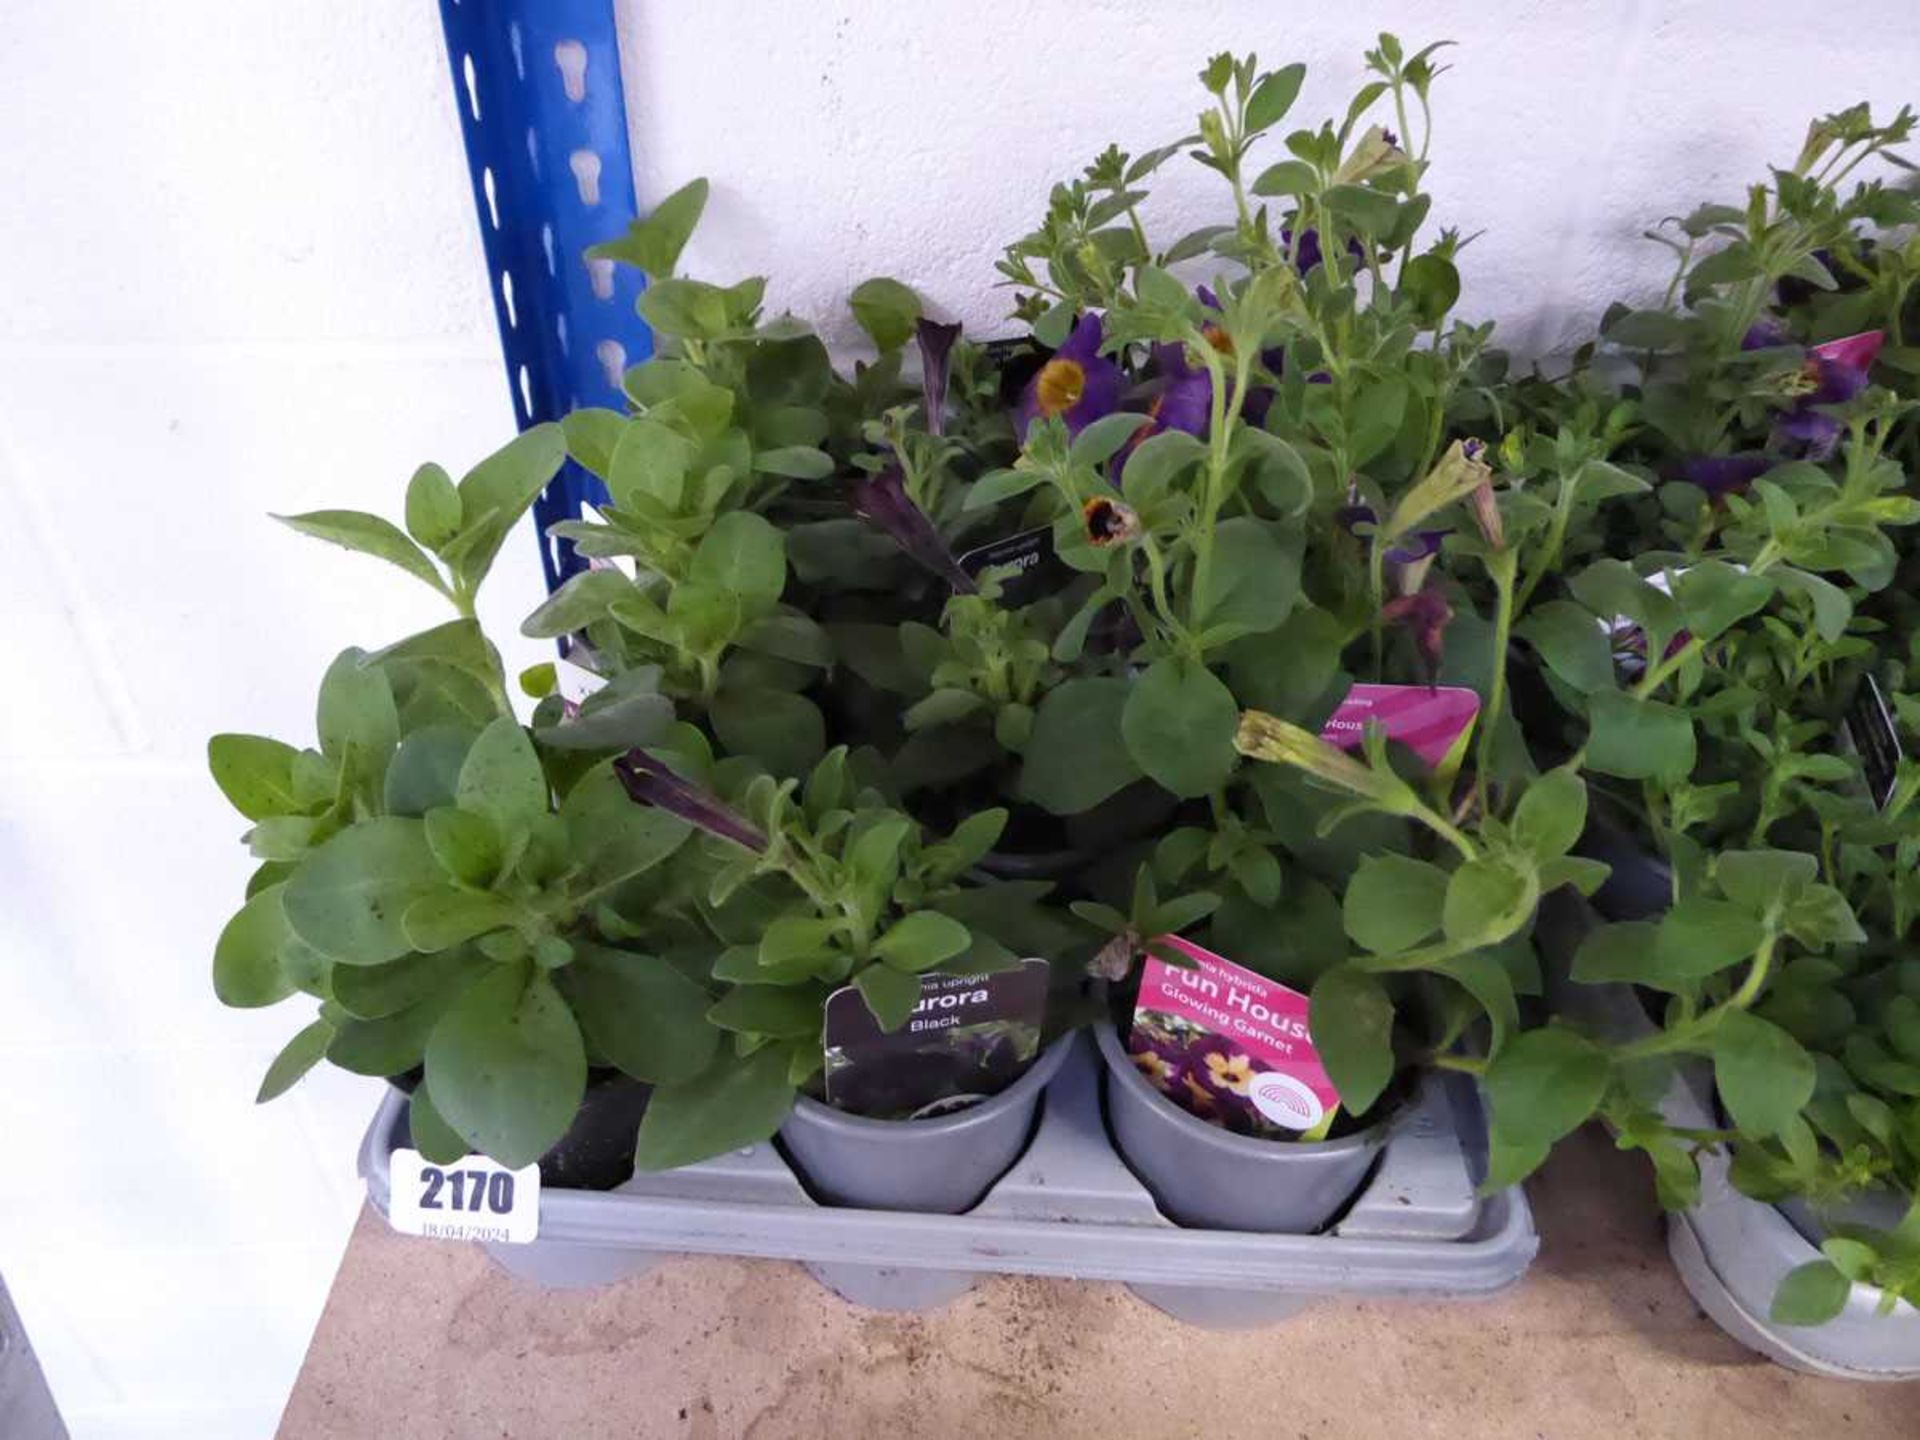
(596, 1153)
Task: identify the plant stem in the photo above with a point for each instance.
(1502, 565)
(1556, 540)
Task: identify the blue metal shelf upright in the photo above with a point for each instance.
(537, 84)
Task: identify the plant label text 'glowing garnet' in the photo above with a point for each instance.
(1230, 1046)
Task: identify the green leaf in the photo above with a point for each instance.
(580, 601)
(1393, 902)
(1254, 583)
(1624, 952)
(998, 485)
(611, 838)
(1151, 468)
(347, 898)
(1551, 814)
(498, 491)
(890, 994)
(370, 992)
(501, 777)
(1102, 440)
(1543, 1085)
(592, 435)
(426, 769)
(246, 958)
(648, 469)
(691, 309)
(743, 554)
(1831, 606)
(783, 731)
(736, 1101)
(1350, 1020)
(1433, 285)
(468, 844)
(640, 1013)
(653, 244)
(390, 1045)
(356, 708)
(433, 507)
(1273, 97)
(1714, 595)
(446, 918)
(787, 1011)
(1289, 177)
(255, 774)
(801, 462)
(886, 310)
(1488, 899)
(301, 1054)
(1572, 643)
(795, 637)
(1077, 756)
(1371, 212)
(920, 941)
(370, 535)
(1701, 936)
(1761, 879)
(506, 1065)
(1639, 739)
(1811, 1294)
(1178, 724)
(431, 1135)
(1764, 1075)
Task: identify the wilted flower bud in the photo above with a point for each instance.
(1109, 522)
(1378, 150)
(1261, 736)
(1460, 471)
(1486, 514)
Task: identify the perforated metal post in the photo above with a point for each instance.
(537, 83)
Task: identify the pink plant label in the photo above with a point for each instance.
(1433, 723)
(1228, 1045)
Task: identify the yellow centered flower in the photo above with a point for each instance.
(1202, 1097)
(1154, 1068)
(1235, 1074)
(1059, 387)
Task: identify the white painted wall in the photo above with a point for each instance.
(867, 137)
(238, 272)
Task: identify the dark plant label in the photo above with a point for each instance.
(473, 1198)
(1026, 565)
(968, 1038)
(1433, 722)
(1230, 1046)
(1875, 737)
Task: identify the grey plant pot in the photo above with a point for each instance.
(939, 1166)
(1209, 1178)
(1732, 1251)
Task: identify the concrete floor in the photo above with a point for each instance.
(426, 1340)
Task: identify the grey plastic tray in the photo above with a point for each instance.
(1732, 1252)
(1068, 1207)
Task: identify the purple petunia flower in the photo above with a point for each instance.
(883, 500)
(936, 364)
(1723, 475)
(649, 782)
(1077, 385)
(1836, 372)
(1766, 333)
(1408, 561)
(1307, 256)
